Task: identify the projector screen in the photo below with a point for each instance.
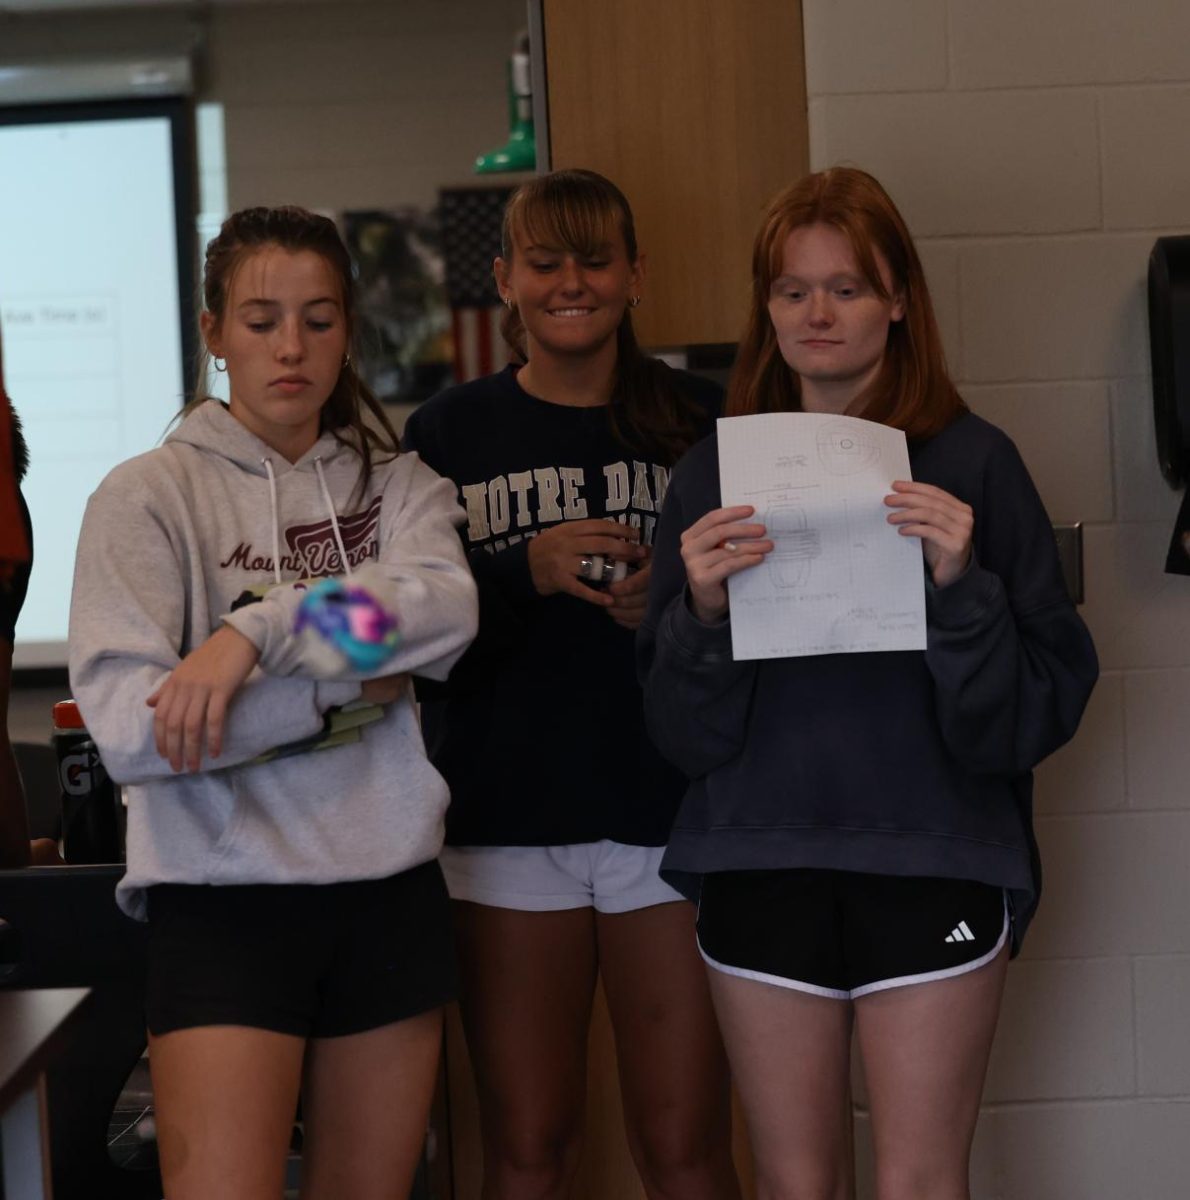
(96, 311)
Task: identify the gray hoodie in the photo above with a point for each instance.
(170, 541)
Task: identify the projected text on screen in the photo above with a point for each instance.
(91, 318)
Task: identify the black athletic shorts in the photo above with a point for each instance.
(314, 960)
(843, 934)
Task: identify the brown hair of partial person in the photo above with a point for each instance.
(295, 229)
(912, 390)
(580, 212)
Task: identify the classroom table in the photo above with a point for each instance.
(32, 1026)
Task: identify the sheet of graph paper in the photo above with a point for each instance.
(840, 579)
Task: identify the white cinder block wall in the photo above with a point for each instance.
(347, 105)
(1037, 148)
(338, 104)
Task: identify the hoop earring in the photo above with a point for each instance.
(633, 301)
(507, 302)
(219, 364)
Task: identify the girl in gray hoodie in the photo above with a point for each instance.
(283, 820)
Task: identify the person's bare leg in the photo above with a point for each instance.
(925, 1049)
(225, 1098)
(673, 1071)
(528, 979)
(365, 1105)
(789, 1054)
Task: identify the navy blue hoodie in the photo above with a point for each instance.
(899, 763)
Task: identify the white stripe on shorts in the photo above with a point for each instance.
(881, 985)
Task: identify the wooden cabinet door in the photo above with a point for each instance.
(697, 110)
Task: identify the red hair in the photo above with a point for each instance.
(913, 390)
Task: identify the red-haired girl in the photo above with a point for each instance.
(858, 827)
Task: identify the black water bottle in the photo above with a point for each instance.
(90, 826)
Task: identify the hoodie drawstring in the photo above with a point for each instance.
(268, 467)
(330, 507)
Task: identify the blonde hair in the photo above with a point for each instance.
(580, 211)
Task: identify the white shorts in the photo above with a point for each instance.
(612, 877)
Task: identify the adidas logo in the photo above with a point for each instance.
(961, 933)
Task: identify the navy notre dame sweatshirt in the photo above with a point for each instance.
(540, 729)
(900, 763)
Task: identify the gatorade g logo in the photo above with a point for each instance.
(80, 772)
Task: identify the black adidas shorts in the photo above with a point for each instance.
(843, 934)
(313, 960)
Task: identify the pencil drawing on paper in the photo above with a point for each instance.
(839, 578)
(843, 450)
(796, 545)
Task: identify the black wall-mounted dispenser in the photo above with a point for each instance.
(1169, 343)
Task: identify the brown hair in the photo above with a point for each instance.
(579, 211)
(912, 390)
(295, 229)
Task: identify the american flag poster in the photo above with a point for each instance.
(470, 222)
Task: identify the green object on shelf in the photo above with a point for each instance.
(519, 153)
